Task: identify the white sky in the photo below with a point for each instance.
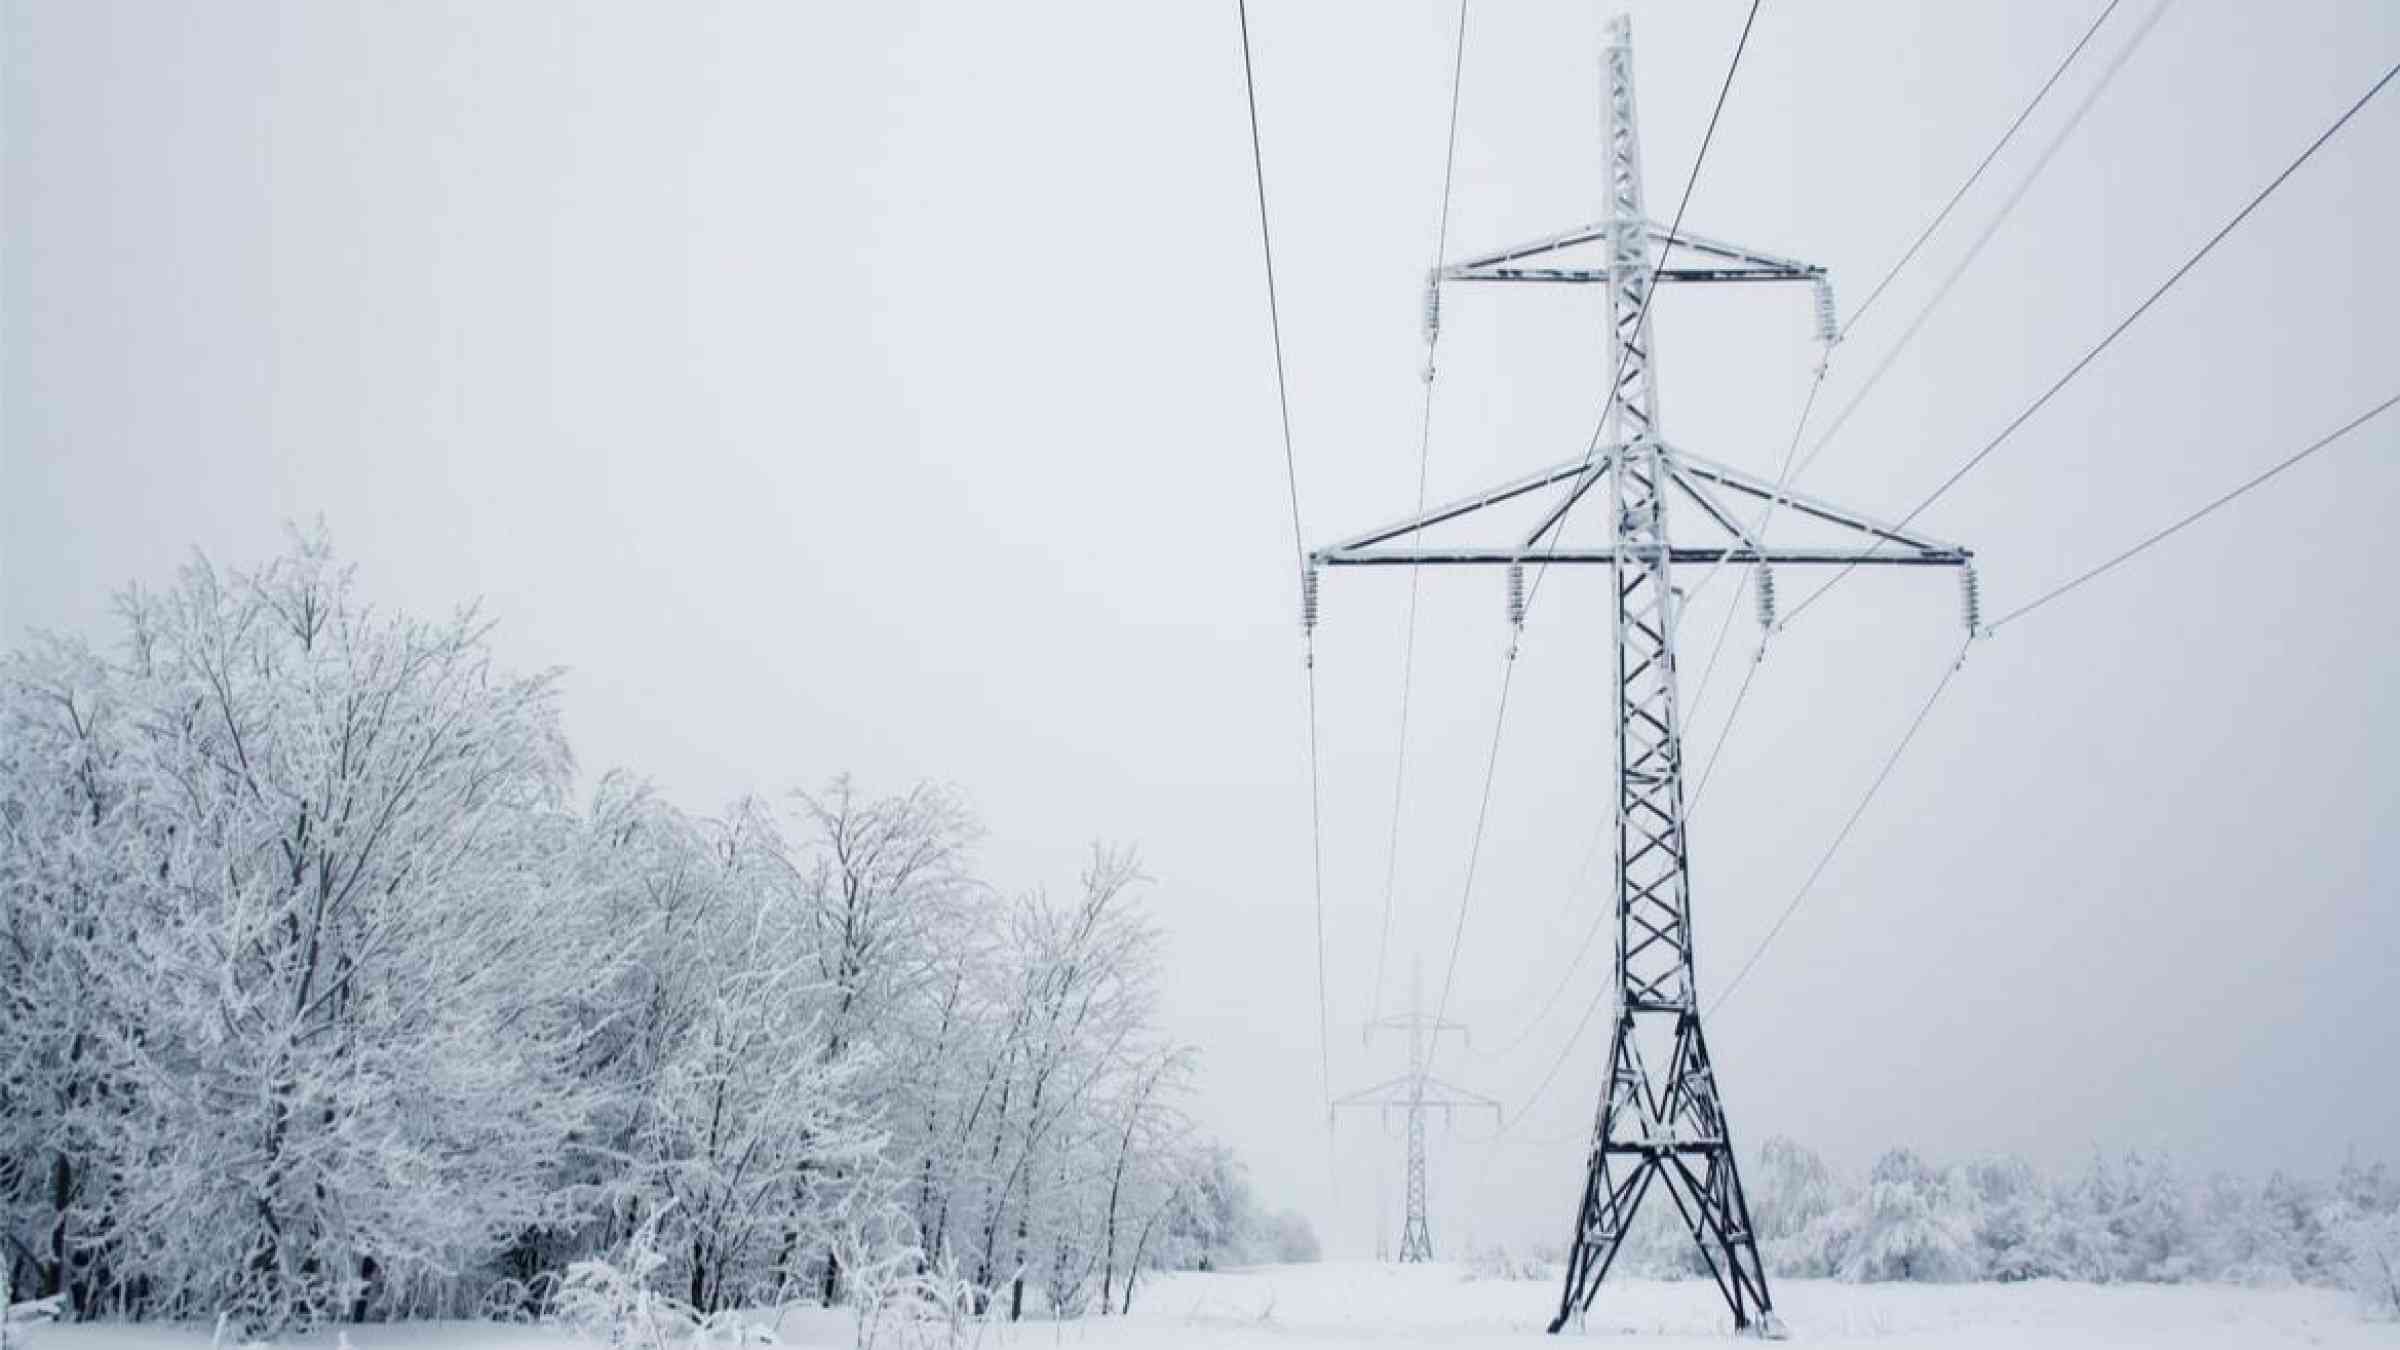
(885, 387)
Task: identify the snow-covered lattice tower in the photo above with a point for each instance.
(1661, 1120)
(1414, 1094)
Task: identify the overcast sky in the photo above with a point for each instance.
(886, 388)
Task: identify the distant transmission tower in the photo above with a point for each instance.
(1413, 1094)
(1663, 1124)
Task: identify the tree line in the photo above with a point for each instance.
(2133, 1216)
(326, 995)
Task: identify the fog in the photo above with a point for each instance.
(887, 388)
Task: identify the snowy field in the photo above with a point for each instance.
(1361, 1304)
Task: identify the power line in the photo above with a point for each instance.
(1708, 770)
(1600, 917)
(1989, 156)
(2226, 500)
(2160, 536)
(1565, 1053)
(1975, 250)
(1508, 675)
(1408, 657)
(1266, 245)
(1787, 472)
(1766, 514)
(1291, 474)
(1941, 292)
(1524, 1109)
(2113, 334)
(1841, 835)
(1908, 334)
(1758, 530)
(1483, 810)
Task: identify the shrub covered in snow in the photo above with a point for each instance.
(900, 1298)
(1500, 1262)
(2371, 1261)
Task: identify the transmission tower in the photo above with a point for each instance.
(1660, 1118)
(1413, 1094)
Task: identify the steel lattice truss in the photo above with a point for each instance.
(1661, 1121)
(1414, 1095)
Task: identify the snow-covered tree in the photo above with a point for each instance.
(1146, 1168)
(2151, 1224)
(1084, 989)
(2295, 1214)
(1910, 1225)
(73, 860)
(885, 886)
(2017, 1224)
(2370, 1260)
(1214, 1214)
(1790, 1190)
(353, 968)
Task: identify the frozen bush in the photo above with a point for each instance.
(2371, 1261)
(900, 1298)
(1499, 1262)
(610, 1299)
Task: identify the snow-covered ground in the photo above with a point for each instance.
(1361, 1304)
(1342, 1304)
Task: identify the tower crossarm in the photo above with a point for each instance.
(1689, 467)
(1748, 264)
(1450, 1095)
(1429, 1026)
(1486, 267)
(1680, 554)
(1415, 1090)
(1378, 1095)
(1880, 544)
(1735, 262)
(1582, 467)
